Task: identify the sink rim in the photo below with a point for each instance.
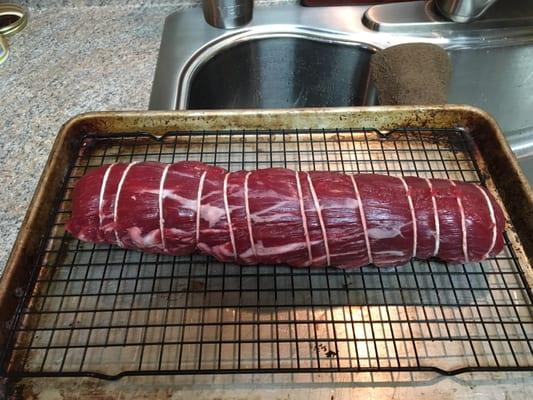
(341, 25)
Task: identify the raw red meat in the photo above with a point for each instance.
(276, 215)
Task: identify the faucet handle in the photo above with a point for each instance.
(463, 10)
(228, 14)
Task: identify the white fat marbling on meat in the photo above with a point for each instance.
(184, 174)
(387, 230)
(390, 253)
(384, 233)
(492, 220)
(184, 202)
(83, 237)
(209, 231)
(172, 195)
(350, 253)
(178, 232)
(212, 214)
(436, 233)
(271, 218)
(319, 260)
(247, 254)
(143, 241)
(223, 251)
(268, 210)
(363, 219)
(204, 248)
(102, 191)
(342, 204)
(277, 250)
(463, 224)
(214, 193)
(117, 199)
(272, 194)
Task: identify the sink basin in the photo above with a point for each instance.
(293, 56)
(282, 73)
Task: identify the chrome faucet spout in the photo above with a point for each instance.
(463, 10)
(228, 14)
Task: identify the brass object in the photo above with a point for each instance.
(4, 49)
(15, 16)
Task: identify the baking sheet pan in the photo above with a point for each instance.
(104, 312)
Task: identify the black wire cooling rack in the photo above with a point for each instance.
(97, 310)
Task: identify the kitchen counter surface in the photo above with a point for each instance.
(81, 58)
(70, 60)
(67, 61)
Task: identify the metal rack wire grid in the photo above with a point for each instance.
(97, 310)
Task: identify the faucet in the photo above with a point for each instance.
(228, 14)
(463, 10)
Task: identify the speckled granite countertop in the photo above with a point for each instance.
(68, 60)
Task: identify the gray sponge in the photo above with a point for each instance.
(413, 73)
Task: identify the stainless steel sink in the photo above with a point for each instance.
(282, 72)
(293, 56)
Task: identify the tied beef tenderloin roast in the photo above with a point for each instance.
(277, 215)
